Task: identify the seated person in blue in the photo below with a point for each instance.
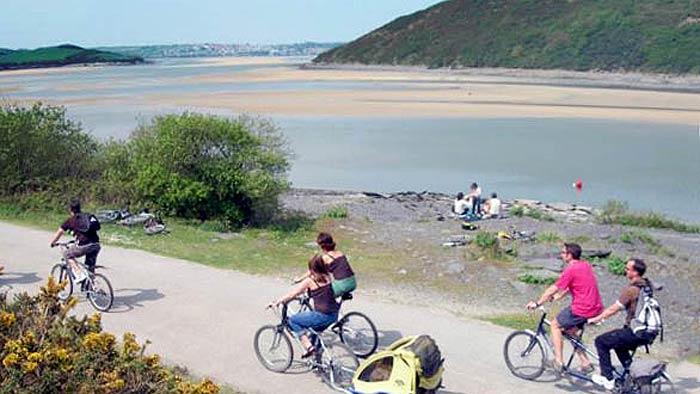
(325, 313)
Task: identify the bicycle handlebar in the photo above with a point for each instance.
(63, 244)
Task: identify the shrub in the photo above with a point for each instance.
(616, 212)
(44, 350)
(536, 280)
(41, 150)
(615, 264)
(336, 212)
(201, 166)
(517, 210)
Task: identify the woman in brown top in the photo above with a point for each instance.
(325, 313)
(343, 275)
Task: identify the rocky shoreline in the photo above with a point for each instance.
(431, 246)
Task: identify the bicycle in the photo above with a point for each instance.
(522, 346)
(354, 329)
(335, 362)
(96, 287)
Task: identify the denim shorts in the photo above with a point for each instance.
(568, 319)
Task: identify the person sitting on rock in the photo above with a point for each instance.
(492, 207)
(461, 205)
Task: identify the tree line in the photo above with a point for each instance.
(188, 165)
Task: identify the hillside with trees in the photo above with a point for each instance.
(57, 56)
(612, 35)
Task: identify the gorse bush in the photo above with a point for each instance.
(44, 350)
(201, 166)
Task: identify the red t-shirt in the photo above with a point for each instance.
(579, 278)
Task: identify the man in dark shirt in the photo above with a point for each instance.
(88, 241)
(622, 340)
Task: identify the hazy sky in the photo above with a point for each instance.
(34, 23)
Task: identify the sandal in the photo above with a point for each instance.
(586, 369)
(309, 352)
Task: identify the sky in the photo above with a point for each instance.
(36, 23)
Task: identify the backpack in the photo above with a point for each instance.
(647, 320)
(87, 222)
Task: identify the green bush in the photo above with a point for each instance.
(201, 166)
(41, 150)
(536, 280)
(336, 212)
(46, 350)
(517, 210)
(617, 212)
(614, 264)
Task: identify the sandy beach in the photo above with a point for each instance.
(423, 93)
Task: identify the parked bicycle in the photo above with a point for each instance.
(96, 287)
(335, 362)
(526, 355)
(355, 329)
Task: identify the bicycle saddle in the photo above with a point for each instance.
(346, 296)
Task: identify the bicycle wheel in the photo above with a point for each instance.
(338, 365)
(59, 272)
(358, 332)
(273, 348)
(524, 355)
(99, 292)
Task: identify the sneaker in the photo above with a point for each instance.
(601, 380)
(80, 276)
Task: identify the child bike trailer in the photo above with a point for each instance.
(411, 365)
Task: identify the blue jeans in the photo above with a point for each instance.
(311, 319)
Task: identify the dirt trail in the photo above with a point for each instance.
(204, 318)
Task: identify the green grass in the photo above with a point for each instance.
(520, 211)
(282, 249)
(694, 358)
(617, 212)
(516, 321)
(614, 264)
(336, 212)
(536, 280)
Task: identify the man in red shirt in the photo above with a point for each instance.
(579, 280)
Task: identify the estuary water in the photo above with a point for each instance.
(652, 166)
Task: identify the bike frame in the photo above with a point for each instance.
(577, 345)
(316, 340)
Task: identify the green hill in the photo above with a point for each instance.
(59, 56)
(615, 35)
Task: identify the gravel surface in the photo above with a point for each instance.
(416, 225)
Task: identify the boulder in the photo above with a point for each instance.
(548, 264)
(560, 206)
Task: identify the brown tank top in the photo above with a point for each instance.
(340, 268)
(324, 301)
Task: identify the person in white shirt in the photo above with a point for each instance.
(460, 205)
(492, 207)
(475, 196)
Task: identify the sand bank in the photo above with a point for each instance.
(421, 93)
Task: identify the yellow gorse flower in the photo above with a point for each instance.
(103, 342)
(7, 319)
(29, 366)
(10, 360)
